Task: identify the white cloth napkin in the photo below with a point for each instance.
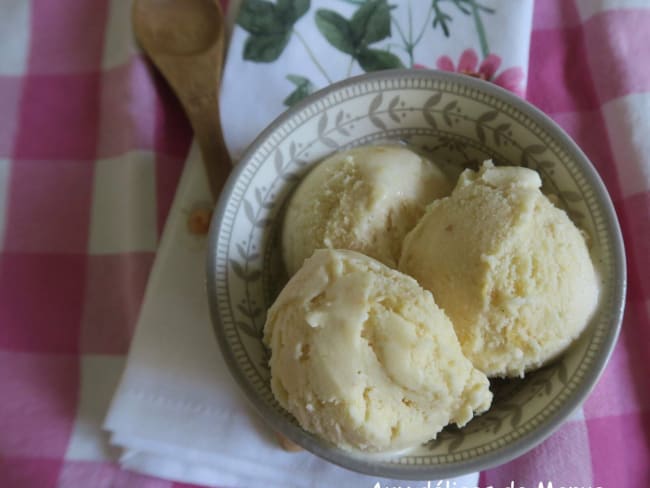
(177, 412)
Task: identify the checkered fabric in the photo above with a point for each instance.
(92, 144)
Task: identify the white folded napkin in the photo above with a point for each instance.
(177, 412)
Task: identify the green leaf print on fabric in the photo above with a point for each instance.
(259, 17)
(265, 48)
(467, 7)
(270, 26)
(336, 30)
(375, 59)
(369, 24)
(304, 87)
(293, 9)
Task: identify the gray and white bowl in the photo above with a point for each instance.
(458, 121)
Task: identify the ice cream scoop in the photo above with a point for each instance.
(510, 269)
(365, 199)
(362, 356)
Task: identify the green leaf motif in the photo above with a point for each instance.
(499, 131)
(371, 22)
(336, 30)
(372, 108)
(458, 441)
(265, 48)
(292, 10)
(431, 102)
(375, 59)
(241, 251)
(483, 119)
(297, 80)
(269, 26)
(445, 112)
(248, 210)
(488, 117)
(391, 109)
(548, 387)
(440, 18)
(259, 17)
(339, 121)
(259, 198)
(249, 330)
(238, 269)
(494, 424)
(375, 103)
(322, 124)
(461, 8)
(525, 159)
(278, 161)
(244, 311)
(516, 417)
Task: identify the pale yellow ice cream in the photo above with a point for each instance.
(511, 270)
(362, 356)
(365, 199)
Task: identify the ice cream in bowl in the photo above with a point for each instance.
(415, 275)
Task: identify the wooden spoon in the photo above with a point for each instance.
(185, 39)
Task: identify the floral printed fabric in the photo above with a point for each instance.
(511, 78)
(299, 46)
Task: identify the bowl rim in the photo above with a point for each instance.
(527, 441)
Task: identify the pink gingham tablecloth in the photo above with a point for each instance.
(92, 144)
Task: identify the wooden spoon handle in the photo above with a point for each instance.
(203, 113)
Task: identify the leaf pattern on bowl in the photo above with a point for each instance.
(427, 111)
(482, 120)
(322, 125)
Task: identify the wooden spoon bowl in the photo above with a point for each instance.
(185, 39)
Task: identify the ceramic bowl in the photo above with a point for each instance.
(458, 121)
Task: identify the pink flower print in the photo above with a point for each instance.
(510, 79)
